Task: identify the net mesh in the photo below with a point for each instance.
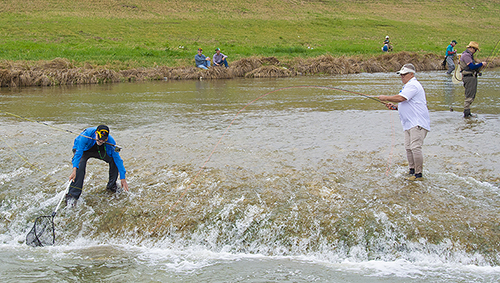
(42, 233)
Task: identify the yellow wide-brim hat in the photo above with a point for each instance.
(474, 45)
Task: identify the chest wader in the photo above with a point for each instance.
(469, 77)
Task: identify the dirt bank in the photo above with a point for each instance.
(62, 72)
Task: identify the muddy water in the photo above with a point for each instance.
(306, 185)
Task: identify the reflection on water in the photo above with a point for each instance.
(307, 185)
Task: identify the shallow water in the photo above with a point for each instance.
(305, 186)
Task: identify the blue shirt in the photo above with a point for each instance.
(199, 59)
(86, 141)
(468, 58)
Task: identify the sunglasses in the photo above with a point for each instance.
(102, 135)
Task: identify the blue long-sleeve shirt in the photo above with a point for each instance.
(468, 59)
(199, 59)
(86, 141)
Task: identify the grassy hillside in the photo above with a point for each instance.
(131, 33)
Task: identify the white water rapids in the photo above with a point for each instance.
(307, 185)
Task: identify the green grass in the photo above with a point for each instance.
(124, 34)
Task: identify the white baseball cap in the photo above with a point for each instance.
(407, 68)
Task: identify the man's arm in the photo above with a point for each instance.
(393, 98)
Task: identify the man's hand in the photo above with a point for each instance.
(391, 106)
(73, 174)
(124, 184)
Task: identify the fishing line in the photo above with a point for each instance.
(27, 162)
(229, 126)
(116, 147)
(33, 165)
(495, 47)
(393, 141)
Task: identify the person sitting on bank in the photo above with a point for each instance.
(219, 58)
(387, 45)
(94, 142)
(201, 60)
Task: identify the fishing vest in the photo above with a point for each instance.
(465, 68)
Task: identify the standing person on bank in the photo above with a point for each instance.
(470, 71)
(201, 60)
(414, 116)
(95, 142)
(450, 55)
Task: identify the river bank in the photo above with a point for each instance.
(61, 71)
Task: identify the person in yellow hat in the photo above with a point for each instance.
(470, 71)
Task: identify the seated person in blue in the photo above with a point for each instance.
(387, 45)
(219, 58)
(201, 60)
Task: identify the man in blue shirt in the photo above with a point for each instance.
(470, 71)
(201, 60)
(450, 55)
(94, 142)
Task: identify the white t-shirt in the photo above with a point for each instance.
(413, 111)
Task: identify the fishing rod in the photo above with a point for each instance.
(229, 126)
(353, 92)
(116, 147)
(492, 51)
(358, 93)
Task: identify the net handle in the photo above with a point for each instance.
(60, 201)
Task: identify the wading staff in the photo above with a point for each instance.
(116, 147)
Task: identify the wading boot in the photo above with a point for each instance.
(115, 188)
(467, 113)
(416, 177)
(70, 200)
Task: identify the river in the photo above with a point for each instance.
(305, 184)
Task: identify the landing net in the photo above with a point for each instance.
(42, 233)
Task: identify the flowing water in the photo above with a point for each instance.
(307, 185)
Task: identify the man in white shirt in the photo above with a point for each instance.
(414, 116)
